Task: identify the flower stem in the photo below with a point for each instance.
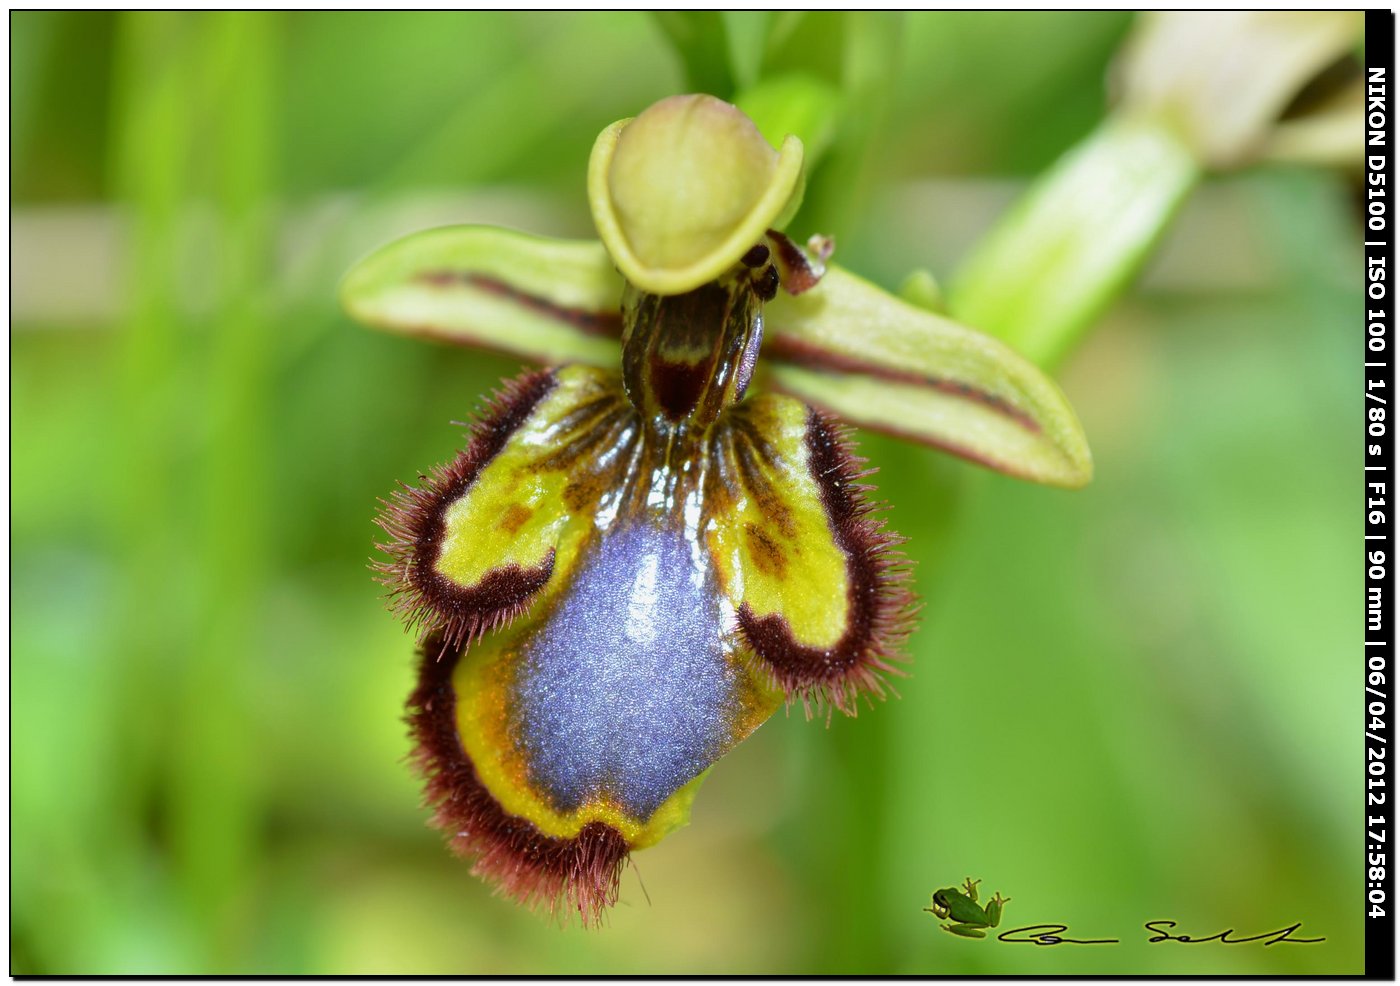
(1066, 250)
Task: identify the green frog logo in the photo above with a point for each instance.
(962, 915)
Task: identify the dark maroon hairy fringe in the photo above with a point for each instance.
(882, 607)
(413, 519)
(578, 875)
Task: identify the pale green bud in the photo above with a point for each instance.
(1221, 79)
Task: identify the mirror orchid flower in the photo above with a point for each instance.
(655, 541)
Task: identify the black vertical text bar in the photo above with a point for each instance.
(1378, 400)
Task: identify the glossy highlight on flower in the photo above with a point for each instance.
(653, 543)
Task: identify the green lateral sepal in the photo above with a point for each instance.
(548, 301)
(882, 363)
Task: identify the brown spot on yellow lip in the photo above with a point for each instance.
(767, 554)
(515, 517)
(413, 519)
(879, 605)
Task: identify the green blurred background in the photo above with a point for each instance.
(1129, 703)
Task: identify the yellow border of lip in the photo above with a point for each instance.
(664, 280)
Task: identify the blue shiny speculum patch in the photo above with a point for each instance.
(626, 691)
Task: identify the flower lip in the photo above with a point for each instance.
(683, 191)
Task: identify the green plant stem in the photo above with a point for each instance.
(215, 785)
(150, 172)
(1073, 243)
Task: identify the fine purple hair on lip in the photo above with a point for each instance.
(413, 520)
(881, 606)
(578, 875)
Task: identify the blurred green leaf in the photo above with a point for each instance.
(794, 104)
(701, 41)
(748, 32)
(869, 64)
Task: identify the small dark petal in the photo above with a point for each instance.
(767, 284)
(578, 875)
(798, 272)
(756, 257)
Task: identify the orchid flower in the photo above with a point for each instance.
(655, 541)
